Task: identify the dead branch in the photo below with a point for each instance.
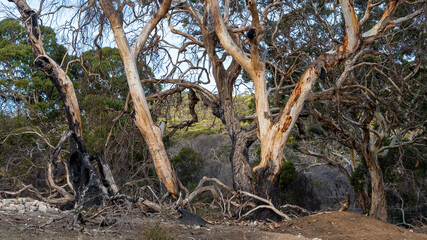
(268, 206)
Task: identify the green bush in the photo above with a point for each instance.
(359, 177)
(289, 173)
(187, 164)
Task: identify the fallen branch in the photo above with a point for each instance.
(268, 206)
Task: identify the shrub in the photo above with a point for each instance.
(187, 164)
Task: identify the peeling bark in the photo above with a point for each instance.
(378, 200)
(143, 120)
(274, 134)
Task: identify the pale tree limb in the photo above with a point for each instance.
(143, 119)
(268, 206)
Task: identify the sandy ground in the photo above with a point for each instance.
(136, 225)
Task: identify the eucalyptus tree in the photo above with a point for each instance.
(199, 43)
(113, 10)
(274, 132)
(379, 108)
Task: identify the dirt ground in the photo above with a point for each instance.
(135, 225)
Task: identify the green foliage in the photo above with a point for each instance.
(287, 175)
(20, 83)
(359, 177)
(187, 164)
(156, 232)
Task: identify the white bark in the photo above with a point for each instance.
(143, 120)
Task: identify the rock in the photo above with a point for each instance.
(190, 219)
(21, 211)
(39, 204)
(20, 200)
(20, 207)
(9, 208)
(36, 202)
(51, 210)
(6, 202)
(28, 204)
(42, 208)
(33, 208)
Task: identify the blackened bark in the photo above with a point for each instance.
(92, 183)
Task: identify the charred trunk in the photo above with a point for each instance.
(92, 183)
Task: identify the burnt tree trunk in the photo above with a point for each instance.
(92, 184)
(267, 184)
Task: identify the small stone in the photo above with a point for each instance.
(33, 208)
(6, 202)
(28, 204)
(20, 200)
(21, 211)
(9, 208)
(42, 208)
(20, 207)
(50, 210)
(39, 204)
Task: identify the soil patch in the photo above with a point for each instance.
(137, 225)
(346, 225)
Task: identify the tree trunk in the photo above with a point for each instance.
(241, 138)
(92, 184)
(239, 159)
(143, 120)
(274, 134)
(267, 186)
(378, 200)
